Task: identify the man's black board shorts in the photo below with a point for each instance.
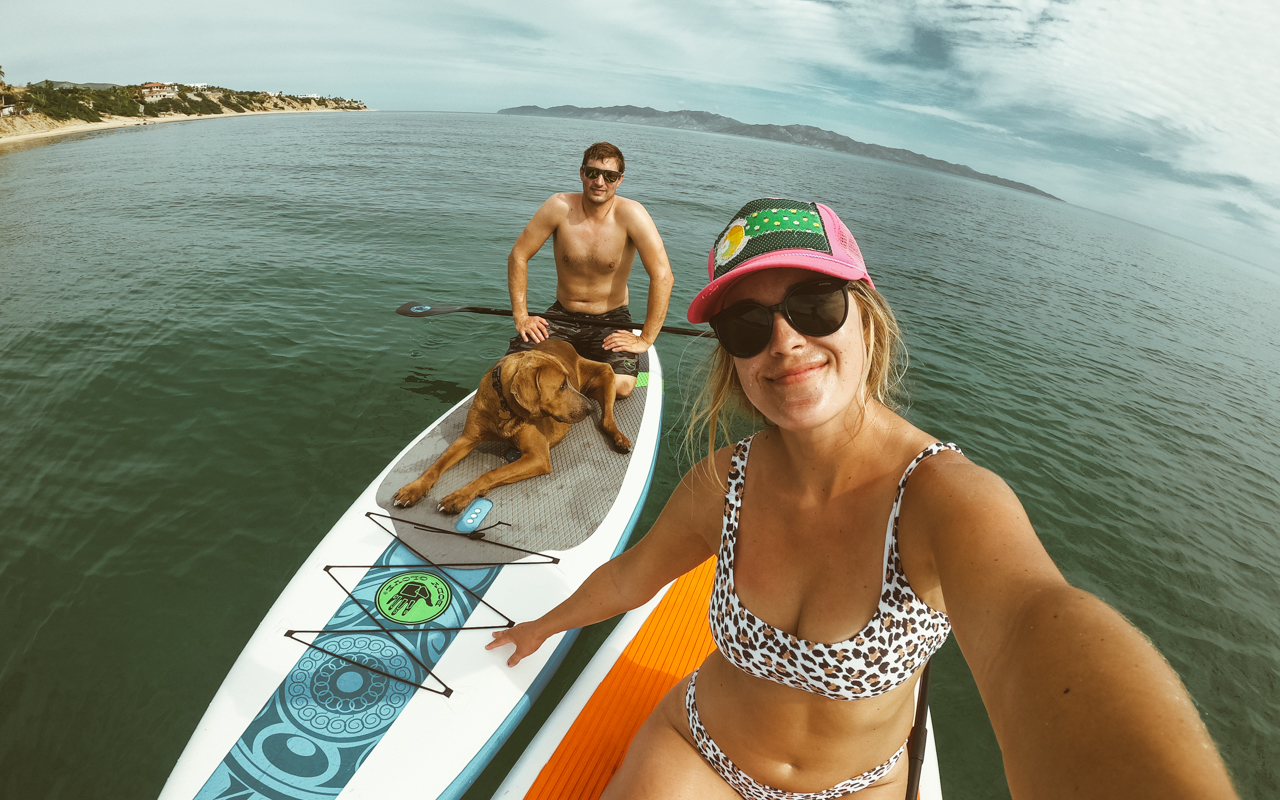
(588, 340)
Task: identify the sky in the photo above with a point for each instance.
(1162, 113)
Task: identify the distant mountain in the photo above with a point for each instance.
(805, 135)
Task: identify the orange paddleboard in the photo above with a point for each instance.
(584, 740)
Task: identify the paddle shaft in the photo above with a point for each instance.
(919, 736)
(506, 312)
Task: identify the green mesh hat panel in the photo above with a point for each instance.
(770, 233)
(767, 225)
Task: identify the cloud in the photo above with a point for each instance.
(928, 48)
(954, 116)
(1177, 91)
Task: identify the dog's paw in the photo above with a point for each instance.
(621, 444)
(456, 502)
(408, 495)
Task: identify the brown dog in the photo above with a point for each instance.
(529, 400)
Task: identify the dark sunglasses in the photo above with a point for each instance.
(610, 176)
(816, 308)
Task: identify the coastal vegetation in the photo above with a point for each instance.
(72, 103)
(62, 102)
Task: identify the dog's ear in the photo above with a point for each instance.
(525, 391)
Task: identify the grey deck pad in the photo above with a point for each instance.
(550, 512)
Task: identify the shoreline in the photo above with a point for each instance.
(66, 127)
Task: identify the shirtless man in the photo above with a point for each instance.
(596, 237)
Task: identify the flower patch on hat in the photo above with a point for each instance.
(731, 241)
(768, 225)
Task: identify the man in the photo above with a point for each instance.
(596, 236)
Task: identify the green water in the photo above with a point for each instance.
(200, 369)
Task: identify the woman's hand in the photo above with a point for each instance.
(680, 539)
(524, 636)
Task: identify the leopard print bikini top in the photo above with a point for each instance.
(901, 636)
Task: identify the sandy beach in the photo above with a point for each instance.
(18, 129)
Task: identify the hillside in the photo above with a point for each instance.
(55, 106)
(805, 135)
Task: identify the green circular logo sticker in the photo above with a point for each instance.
(411, 598)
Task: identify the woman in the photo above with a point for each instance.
(850, 544)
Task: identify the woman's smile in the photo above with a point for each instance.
(797, 373)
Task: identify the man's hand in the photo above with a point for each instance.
(534, 328)
(625, 342)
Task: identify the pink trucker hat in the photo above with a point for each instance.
(772, 232)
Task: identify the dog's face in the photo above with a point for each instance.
(540, 385)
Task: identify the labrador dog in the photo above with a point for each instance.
(529, 400)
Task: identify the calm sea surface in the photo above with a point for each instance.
(200, 369)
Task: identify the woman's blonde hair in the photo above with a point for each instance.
(722, 401)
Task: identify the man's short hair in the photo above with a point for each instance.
(602, 150)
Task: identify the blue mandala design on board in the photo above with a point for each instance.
(329, 713)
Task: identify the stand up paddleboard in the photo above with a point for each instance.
(582, 744)
(368, 678)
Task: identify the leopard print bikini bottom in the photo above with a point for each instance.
(749, 787)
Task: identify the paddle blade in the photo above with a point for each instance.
(412, 309)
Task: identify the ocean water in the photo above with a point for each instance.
(200, 369)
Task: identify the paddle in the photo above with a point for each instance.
(919, 736)
(423, 310)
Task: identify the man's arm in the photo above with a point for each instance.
(535, 234)
(1082, 704)
(653, 255)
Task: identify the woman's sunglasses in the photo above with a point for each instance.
(816, 308)
(610, 176)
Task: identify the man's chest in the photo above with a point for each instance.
(593, 248)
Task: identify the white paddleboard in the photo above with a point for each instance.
(368, 678)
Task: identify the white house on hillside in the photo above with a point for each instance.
(152, 92)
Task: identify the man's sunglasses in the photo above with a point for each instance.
(816, 308)
(610, 176)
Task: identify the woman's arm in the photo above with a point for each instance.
(1082, 704)
(681, 538)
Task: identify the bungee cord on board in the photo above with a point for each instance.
(477, 535)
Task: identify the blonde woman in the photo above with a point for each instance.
(850, 545)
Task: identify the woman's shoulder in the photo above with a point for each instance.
(697, 502)
(940, 465)
(924, 465)
(711, 474)
(945, 485)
